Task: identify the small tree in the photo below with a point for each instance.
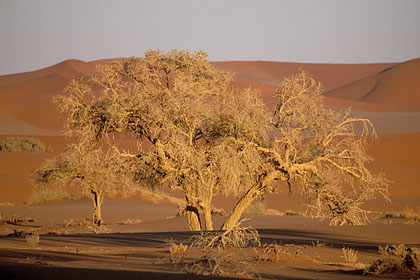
(93, 170)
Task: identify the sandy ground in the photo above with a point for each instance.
(134, 242)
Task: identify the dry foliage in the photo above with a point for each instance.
(236, 237)
(410, 215)
(214, 262)
(395, 259)
(318, 151)
(93, 170)
(32, 239)
(272, 253)
(349, 255)
(196, 133)
(24, 144)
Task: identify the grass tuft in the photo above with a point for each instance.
(349, 255)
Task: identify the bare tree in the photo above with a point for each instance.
(319, 151)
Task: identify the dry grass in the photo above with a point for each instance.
(32, 239)
(349, 255)
(177, 251)
(130, 221)
(15, 220)
(395, 259)
(410, 215)
(2, 204)
(216, 260)
(237, 237)
(272, 253)
(44, 196)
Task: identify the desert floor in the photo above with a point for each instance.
(138, 233)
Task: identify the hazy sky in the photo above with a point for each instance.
(38, 33)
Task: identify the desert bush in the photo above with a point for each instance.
(214, 262)
(236, 237)
(15, 220)
(177, 251)
(24, 144)
(410, 215)
(395, 259)
(272, 253)
(32, 239)
(256, 208)
(44, 196)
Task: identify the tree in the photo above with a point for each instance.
(177, 104)
(319, 151)
(93, 170)
(197, 133)
(90, 162)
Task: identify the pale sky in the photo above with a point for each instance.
(39, 33)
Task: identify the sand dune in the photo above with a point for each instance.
(26, 108)
(67, 68)
(272, 73)
(394, 85)
(387, 94)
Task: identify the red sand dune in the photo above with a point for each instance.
(385, 93)
(394, 85)
(26, 108)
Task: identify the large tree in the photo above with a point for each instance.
(197, 133)
(320, 152)
(177, 107)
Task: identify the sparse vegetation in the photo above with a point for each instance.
(216, 261)
(409, 215)
(32, 239)
(349, 255)
(15, 220)
(395, 259)
(272, 253)
(24, 144)
(256, 208)
(44, 196)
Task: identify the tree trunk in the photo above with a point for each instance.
(255, 191)
(207, 216)
(97, 203)
(193, 216)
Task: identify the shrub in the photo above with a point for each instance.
(24, 144)
(349, 255)
(47, 196)
(395, 259)
(32, 239)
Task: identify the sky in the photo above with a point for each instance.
(38, 33)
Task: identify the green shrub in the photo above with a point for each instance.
(24, 144)
(47, 196)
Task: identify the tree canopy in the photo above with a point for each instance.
(198, 133)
